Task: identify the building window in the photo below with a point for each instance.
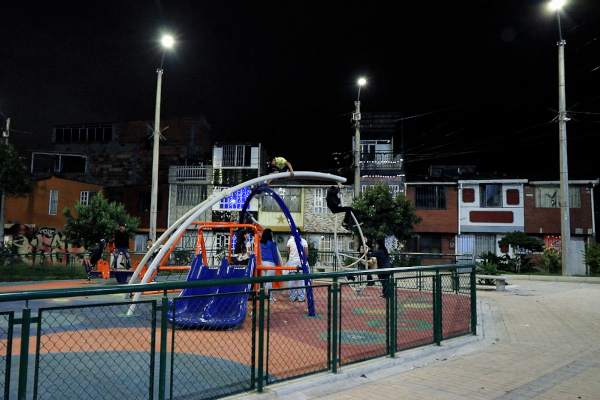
(428, 243)
(290, 196)
(320, 201)
(144, 202)
(548, 197)
(190, 195)
(236, 200)
(53, 203)
(490, 195)
(236, 156)
(83, 133)
(85, 196)
(430, 197)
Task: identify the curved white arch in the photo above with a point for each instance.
(186, 220)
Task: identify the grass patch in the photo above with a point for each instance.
(27, 273)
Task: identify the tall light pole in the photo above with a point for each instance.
(356, 118)
(167, 42)
(565, 221)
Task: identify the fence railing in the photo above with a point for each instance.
(222, 339)
(43, 266)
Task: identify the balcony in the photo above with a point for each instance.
(381, 161)
(189, 173)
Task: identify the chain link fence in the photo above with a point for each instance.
(222, 339)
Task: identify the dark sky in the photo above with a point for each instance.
(476, 80)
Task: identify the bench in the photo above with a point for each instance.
(500, 280)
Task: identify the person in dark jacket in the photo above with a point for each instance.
(334, 204)
(121, 245)
(383, 261)
(96, 254)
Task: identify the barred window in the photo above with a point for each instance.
(320, 201)
(190, 195)
(53, 202)
(548, 197)
(430, 197)
(236, 155)
(290, 196)
(429, 243)
(85, 196)
(490, 195)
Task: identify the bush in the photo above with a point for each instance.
(592, 258)
(551, 261)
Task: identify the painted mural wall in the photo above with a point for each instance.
(32, 245)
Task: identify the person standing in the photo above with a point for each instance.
(334, 204)
(295, 261)
(122, 245)
(370, 263)
(269, 256)
(383, 261)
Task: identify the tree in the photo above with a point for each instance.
(98, 220)
(14, 178)
(384, 215)
(519, 240)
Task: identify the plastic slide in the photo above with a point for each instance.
(215, 308)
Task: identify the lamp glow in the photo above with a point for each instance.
(167, 41)
(362, 81)
(557, 4)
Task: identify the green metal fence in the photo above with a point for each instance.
(91, 342)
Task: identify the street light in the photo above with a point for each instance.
(565, 221)
(167, 42)
(356, 118)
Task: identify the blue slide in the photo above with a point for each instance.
(215, 308)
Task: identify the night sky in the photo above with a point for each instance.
(476, 81)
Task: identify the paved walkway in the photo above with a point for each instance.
(537, 340)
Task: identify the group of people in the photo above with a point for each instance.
(270, 258)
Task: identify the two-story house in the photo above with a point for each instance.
(470, 216)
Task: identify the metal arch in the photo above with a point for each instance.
(303, 259)
(186, 220)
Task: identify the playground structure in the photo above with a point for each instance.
(103, 270)
(146, 269)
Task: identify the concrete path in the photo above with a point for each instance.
(537, 340)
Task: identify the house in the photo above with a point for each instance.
(35, 222)
(470, 216)
(380, 159)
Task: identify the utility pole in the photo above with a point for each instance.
(565, 220)
(356, 118)
(5, 135)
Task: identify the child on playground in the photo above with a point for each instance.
(269, 256)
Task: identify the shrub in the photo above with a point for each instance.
(592, 258)
(551, 261)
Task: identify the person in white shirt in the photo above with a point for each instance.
(294, 261)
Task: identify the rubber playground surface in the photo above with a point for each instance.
(298, 344)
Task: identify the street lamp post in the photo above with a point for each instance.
(356, 118)
(565, 221)
(167, 41)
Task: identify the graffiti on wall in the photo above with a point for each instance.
(32, 245)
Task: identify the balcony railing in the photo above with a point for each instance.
(190, 173)
(380, 160)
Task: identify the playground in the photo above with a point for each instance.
(217, 332)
